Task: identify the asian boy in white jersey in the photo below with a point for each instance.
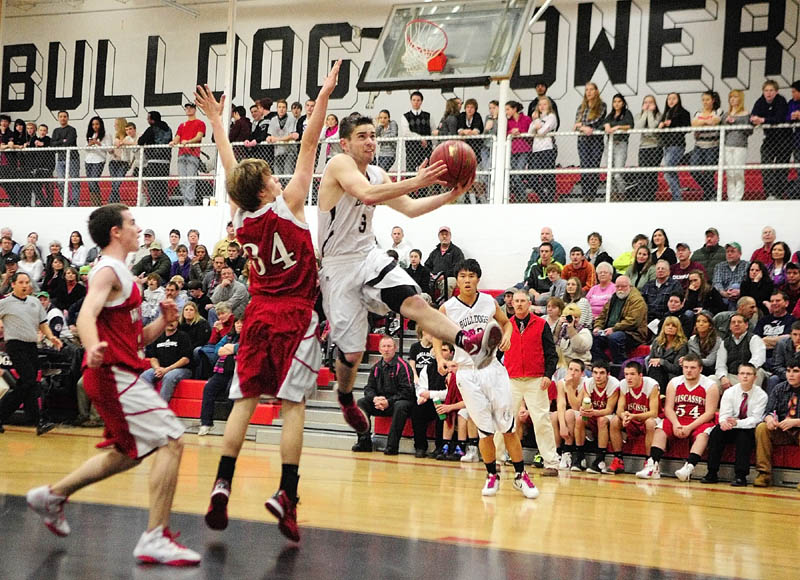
(486, 391)
(357, 276)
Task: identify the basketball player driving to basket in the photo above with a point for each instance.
(357, 275)
(279, 352)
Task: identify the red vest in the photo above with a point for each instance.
(525, 358)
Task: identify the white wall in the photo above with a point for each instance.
(500, 237)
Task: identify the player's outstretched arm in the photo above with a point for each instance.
(297, 189)
(417, 207)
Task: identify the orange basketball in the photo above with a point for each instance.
(460, 160)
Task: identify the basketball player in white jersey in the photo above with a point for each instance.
(357, 275)
(486, 391)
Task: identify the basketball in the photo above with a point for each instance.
(460, 160)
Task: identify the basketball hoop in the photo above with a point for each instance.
(425, 40)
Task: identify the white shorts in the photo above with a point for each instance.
(487, 395)
(351, 285)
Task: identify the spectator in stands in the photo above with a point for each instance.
(470, 124)
(792, 284)
(508, 301)
(537, 282)
(196, 295)
(153, 296)
(543, 150)
(589, 118)
(741, 345)
(558, 253)
(157, 159)
(42, 165)
(170, 360)
(235, 261)
(156, 262)
(781, 424)
(580, 268)
(739, 130)
(764, 253)
(201, 264)
(65, 135)
(758, 285)
(596, 254)
(642, 271)
(677, 308)
(401, 246)
(144, 249)
(785, 350)
(771, 109)
(489, 130)
(230, 291)
(389, 393)
(193, 237)
(172, 249)
(98, 143)
(541, 93)
(221, 247)
(54, 282)
(573, 294)
(675, 117)
(387, 150)
(74, 291)
(123, 156)
(657, 291)
(728, 275)
(241, 128)
(33, 238)
(776, 325)
(11, 263)
(666, 351)
(554, 308)
(259, 128)
(680, 271)
(31, 264)
(780, 253)
(190, 132)
(282, 130)
(746, 307)
(419, 273)
(214, 276)
(330, 136)
(622, 325)
(618, 122)
(448, 124)
(574, 341)
(444, 258)
(221, 376)
(741, 409)
(705, 342)
(6, 251)
(172, 291)
(415, 126)
(599, 294)
(558, 286)
(659, 243)
(650, 148)
(626, 259)
(706, 143)
(76, 250)
(518, 125)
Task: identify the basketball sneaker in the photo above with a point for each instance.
(579, 465)
(159, 546)
(217, 515)
(471, 456)
(457, 454)
(597, 466)
(481, 346)
(355, 417)
(523, 483)
(203, 430)
(538, 461)
(566, 461)
(685, 472)
(651, 470)
(617, 466)
(280, 506)
(492, 484)
(443, 452)
(50, 508)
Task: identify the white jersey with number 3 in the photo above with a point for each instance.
(470, 319)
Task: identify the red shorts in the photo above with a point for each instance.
(635, 429)
(667, 427)
(279, 352)
(591, 424)
(137, 420)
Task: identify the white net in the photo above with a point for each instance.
(424, 40)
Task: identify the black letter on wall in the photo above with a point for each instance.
(615, 60)
(101, 99)
(207, 40)
(736, 40)
(658, 36)
(72, 102)
(345, 33)
(286, 35)
(551, 18)
(151, 97)
(18, 77)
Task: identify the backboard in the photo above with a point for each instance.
(471, 42)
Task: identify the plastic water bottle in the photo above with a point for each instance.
(586, 406)
(436, 403)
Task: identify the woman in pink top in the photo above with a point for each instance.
(518, 124)
(601, 292)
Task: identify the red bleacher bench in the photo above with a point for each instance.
(187, 401)
(325, 377)
(383, 424)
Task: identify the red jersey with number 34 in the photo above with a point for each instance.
(281, 254)
(690, 403)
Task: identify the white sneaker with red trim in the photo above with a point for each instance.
(50, 508)
(159, 546)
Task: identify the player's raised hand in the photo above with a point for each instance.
(431, 174)
(169, 310)
(94, 355)
(460, 190)
(332, 79)
(206, 101)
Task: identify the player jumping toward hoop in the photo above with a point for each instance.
(138, 421)
(357, 276)
(279, 353)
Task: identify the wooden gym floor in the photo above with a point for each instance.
(372, 516)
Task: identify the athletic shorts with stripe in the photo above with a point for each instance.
(137, 420)
(279, 352)
(487, 396)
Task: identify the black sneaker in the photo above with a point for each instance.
(443, 452)
(364, 444)
(739, 482)
(391, 451)
(44, 427)
(597, 466)
(710, 478)
(420, 453)
(579, 464)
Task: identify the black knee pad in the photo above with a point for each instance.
(395, 296)
(342, 359)
(485, 433)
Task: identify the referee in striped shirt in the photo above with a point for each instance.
(23, 317)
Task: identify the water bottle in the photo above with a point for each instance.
(586, 406)
(436, 403)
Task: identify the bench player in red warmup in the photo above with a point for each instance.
(692, 400)
(138, 421)
(279, 352)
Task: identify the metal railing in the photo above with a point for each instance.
(577, 167)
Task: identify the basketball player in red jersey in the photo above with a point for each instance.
(692, 400)
(279, 352)
(137, 421)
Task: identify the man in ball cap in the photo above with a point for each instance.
(711, 253)
(190, 132)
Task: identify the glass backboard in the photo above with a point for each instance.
(470, 43)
